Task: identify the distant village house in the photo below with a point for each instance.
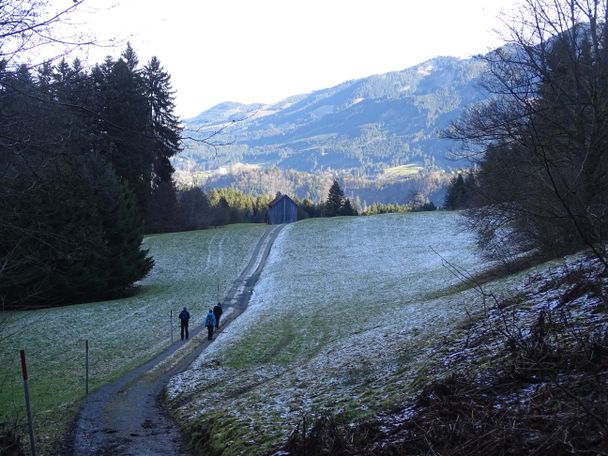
(282, 209)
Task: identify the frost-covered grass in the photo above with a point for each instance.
(344, 315)
(191, 269)
(527, 376)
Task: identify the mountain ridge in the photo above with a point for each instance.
(359, 128)
(235, 104)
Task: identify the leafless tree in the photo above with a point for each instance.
(542, 139)
(28, 26)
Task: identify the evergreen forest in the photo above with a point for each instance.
(85, 166)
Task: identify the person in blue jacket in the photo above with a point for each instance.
(184, 318)
(210, 324)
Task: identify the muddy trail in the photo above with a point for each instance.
(127, 417)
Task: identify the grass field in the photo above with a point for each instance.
(192, 269)
(401, 171)
(345, 314)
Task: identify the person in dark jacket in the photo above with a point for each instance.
(210, 324)
(184, 318)
(217, 312)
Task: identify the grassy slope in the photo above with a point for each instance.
(345, 313)
(192, 269)
(527, 375)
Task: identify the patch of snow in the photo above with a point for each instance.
(519, 397)
(425, 69)
(397, 419)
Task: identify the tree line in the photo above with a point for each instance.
(85, 166)
(200, 209)
(229, 205)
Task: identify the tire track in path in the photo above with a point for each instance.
(127, 417)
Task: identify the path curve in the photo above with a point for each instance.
(127, 417)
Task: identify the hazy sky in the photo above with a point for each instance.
(266, 50)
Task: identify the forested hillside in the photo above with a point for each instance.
(360, 127)
(398, 186)
(380, 130)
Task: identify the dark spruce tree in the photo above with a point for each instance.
(124, 124)
(347, 209)
(123, 228)
(461, 193)
(70, 227)
(140, 133)
(335, 200)
(162, 210)
(73, 234)
(454, 197)
(337, 203)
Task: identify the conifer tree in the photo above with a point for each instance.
(70, 228)
(335, 200)
(129, 56)
(124, 124)
(195, 210)
(455, 196)
(347, 208)
(166, 134)
(75, 234)
(164, 123)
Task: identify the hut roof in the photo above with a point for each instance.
(279, 198)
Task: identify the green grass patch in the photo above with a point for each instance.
(192, 269)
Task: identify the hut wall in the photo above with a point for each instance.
(284, 211)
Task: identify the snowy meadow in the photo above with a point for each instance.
(342, 320)
(192, 269)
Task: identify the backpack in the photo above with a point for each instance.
(209, 321)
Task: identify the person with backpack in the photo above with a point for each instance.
(217, 312)
(184, 318)
(210, 324)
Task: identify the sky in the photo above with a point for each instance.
(262, 51)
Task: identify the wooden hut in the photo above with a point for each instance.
(282, 209)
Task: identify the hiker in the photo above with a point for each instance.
(210, 323)
(217, 312)
(184, 318)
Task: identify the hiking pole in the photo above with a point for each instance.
(171, 325)
(86, 363)
(28, 410)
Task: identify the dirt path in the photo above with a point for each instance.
(127, 417)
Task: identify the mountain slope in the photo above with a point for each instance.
(359, 127)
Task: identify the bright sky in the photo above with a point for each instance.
(266, 50)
